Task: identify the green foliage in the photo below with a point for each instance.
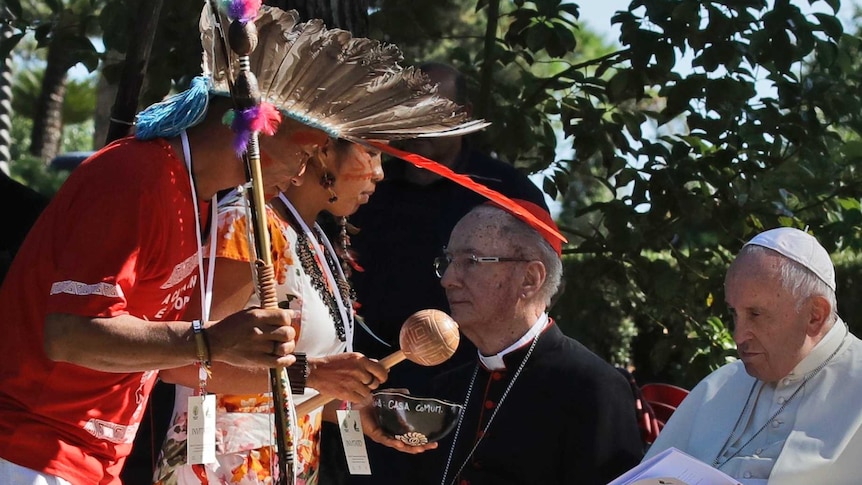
(695, 165)
(30, 170)
(670, 173)
(69, 23)
(79, 103)
(513, 61)
(176, 50)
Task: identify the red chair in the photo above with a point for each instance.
(664, 393)
(662, 412)
(663, 400)
(654, 405)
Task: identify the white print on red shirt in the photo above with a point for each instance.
(181, 271)
(176, 300)
(84, 289)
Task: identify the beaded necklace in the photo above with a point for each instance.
(337, 294)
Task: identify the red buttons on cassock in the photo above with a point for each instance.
(489, 404)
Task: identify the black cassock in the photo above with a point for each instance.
(569, 418)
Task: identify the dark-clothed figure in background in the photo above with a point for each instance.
(22, 206)
(539, 406)
(787, 411)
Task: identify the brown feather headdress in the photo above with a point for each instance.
(348, 87)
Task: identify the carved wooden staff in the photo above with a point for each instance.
(428, 337)
(242, 40)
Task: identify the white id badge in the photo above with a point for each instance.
(354, 442)
(200, 442)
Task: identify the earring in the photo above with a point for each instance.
(327, 181)
(348, 258)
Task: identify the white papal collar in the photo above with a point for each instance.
(827, 345)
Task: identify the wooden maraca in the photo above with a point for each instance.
(428, 337)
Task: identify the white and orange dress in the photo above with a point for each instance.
(305, 267)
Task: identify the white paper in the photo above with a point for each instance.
(674, 464)
(200, 439)
(354, 442)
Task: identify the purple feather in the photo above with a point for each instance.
(243, 10)
(241, 125)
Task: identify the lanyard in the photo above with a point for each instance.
(206, 285)
(321, 250)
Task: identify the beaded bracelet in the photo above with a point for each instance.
(298, 373)
(202, 346)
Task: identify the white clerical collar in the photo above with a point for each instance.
(827, 345)
(495, 362)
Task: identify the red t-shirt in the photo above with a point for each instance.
(118, 238)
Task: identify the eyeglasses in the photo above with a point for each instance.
(467, 261)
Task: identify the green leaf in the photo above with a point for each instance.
(665, 56)
(9, 43)
(571, 8)
(624, 177)
(618, 86)
(830, 25)
(847, 203)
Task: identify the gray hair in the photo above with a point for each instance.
(799, 281)
(529, 244)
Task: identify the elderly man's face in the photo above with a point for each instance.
(770, 333)
(480, 294)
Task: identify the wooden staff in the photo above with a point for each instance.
(242, 39)
(428, 337)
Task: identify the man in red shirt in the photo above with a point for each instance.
(91, 305)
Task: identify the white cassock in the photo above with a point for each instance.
(815, 439)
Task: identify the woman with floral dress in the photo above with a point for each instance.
(340, 176)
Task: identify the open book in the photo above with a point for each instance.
(673, 467)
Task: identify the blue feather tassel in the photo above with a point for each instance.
(176, 113)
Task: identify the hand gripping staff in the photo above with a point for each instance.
(250, 118)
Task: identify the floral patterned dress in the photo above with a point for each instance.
(245, 433)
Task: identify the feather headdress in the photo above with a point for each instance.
(351, 88)
(348, 87)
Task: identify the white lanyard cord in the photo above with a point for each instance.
(346, 314)
(206, 285)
